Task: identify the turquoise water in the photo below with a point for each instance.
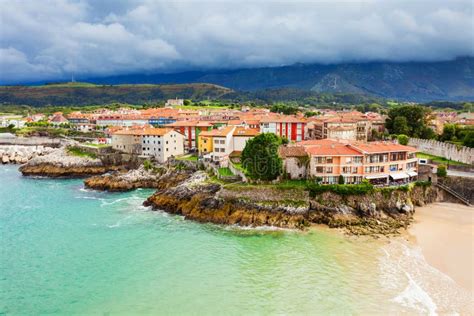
(68, 250)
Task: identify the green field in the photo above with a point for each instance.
(439, 160)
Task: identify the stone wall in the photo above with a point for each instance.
(462, 185)
(447, 150)
(34, 141)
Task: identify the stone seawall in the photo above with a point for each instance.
(34, 141)
(453, 152)
(17, 154)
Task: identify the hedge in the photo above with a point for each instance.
(341, 189)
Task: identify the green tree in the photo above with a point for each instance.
(400, 125)
(441, 171)
(284, 108)
(402, 139)
(340, 180)
(449, 131)
(187, 102)
(260, 157)
(417, 118)
(469, 139)
(311, 113)
(427, 133)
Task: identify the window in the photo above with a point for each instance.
(393, 167)
(374, 169)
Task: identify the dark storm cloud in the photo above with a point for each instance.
(52, 39)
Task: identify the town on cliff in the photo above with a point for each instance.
(251, 166)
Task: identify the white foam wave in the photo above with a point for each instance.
(119, 222)
(421, 287)
(256, 228)
(415, 297)
(88, 198)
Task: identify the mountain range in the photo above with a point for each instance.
(406, 81)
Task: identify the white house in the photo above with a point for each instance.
(159, 143)
(162, 143)
(223, 144)
(240, 137)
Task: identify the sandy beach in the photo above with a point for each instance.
(445, 234)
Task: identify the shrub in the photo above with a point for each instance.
(340, 180)
(424, 184)
(402, 139)
(341, 189)
(442, 172)
(147, 165)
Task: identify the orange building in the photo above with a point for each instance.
(379, 162)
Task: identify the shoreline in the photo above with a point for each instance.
(445, 233)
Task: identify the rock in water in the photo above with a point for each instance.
(60, 164)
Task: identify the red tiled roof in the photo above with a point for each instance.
(144, 131)
(381, 147)
(332, 150)
(292, 151)
(189, 123)
(283, 119)
(242, 131)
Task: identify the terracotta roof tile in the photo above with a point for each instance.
(292, 151)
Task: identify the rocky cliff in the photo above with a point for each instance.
(58, 163)
(157, 178)
(380, 212)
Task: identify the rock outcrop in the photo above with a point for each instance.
(137, 178)
(17, 154)
(58, 163)
(380, 212)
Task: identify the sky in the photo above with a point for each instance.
(52, 39)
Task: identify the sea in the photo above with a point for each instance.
(67, 250)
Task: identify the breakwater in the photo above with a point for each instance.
(20, 154)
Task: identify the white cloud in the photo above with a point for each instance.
(54, 38)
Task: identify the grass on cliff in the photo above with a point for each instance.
(439, 160)
(188, 158)
(74, 151)
(96, 145)
(225, 172)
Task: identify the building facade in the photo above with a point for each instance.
(158, 143)
(381, 163)
(287, 126)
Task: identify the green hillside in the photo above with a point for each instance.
(78, 94)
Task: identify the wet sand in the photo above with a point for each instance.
(445, 234)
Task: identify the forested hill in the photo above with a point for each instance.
(77, 94)
(80, 94)
(409, 81)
